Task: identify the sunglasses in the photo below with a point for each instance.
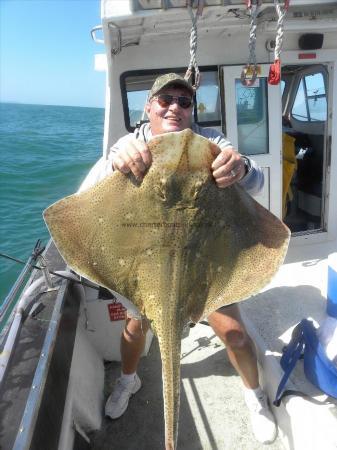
(166, 100)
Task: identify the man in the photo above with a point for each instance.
(169, 108)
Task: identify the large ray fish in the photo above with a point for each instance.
(175, 244)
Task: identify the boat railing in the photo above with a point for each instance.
(9, 303)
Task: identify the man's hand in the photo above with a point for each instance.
(134, 157)
(228, 166)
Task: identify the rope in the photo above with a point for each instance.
(275, 68)
(251, 66)
(252, 34)
(280, 28)
(194, 44)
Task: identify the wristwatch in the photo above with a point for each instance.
(247, 163)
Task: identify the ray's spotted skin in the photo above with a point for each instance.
(210, 247)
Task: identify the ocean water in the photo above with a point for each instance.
(46, 152)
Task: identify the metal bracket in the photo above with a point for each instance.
(113, 27)
(46, 274)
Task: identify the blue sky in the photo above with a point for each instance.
(47, 54)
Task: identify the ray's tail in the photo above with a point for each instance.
(170, 345)
(168, 317)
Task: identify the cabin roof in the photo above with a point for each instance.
(135, 22)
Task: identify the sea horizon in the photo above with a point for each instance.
(7, 102)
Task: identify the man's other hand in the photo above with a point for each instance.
(228, 166)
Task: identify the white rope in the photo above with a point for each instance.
(281, 13)
(194, 44)
(252, 34)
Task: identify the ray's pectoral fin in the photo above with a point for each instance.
(257, 250)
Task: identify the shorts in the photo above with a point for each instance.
(134, 313)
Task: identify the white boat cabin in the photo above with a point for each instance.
(287, 128)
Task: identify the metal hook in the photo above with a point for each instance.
(247, 69)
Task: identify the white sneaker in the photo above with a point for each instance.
(118, 401)
(262, 419)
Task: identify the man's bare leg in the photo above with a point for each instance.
(227, 325)
(132, 344)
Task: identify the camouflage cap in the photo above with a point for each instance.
(168, 79)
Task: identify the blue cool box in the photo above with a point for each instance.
(332, 286)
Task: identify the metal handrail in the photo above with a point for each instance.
(93, 34)
(29, 266)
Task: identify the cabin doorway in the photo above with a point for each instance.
(304, 139)
(252, 117)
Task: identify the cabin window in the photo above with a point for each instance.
(252, 116)
(136, 102)
(310, 103)
(208, 99)
(135, 87)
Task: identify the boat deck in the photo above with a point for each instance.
(212, 414)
